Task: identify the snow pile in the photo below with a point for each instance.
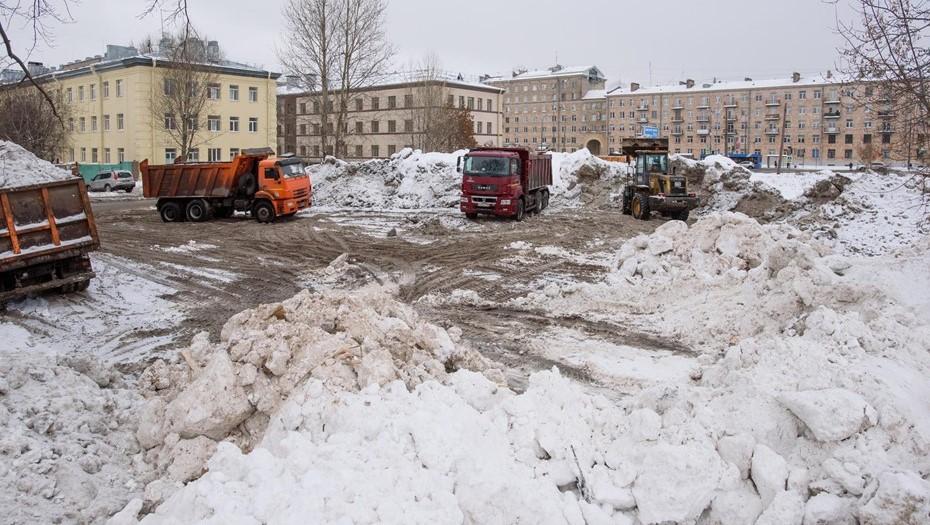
(725, 186)
(409, 179)
(66, 443)
(230, 390)
(580, 177)
(793, 186)
(19, 167)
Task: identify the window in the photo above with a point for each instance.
(392, 102)
(81, 93)
(93, 91)
(867, 139)
(489, 128)
(233, 153)
(119, 88)
(253, 125)
(193, 155)
(471, 102)
(316, 128)
(233, 123)
(408, 101)
(375, 103)
(316, 107)
(82, 125)
(83, 154)
(213, 122)
(105, 89)
(392, 149)
(120, 121)
(375, 128)
(213, 91)
(106, 123)
(408, 126)
(106, 155)
(71, 124)
(480, 126)
(93, 123)
(375, 151)
(848, 139)
(359, 104)
(831, 153)
(358, 151)
(120, 155)
(253, 95)
(392, 126)
(168, 87)
(233, 93)
(70, 95)
(316, 150)
(461, 102)
(93, 155)
(847, 154)
(214, 154)
(849, 123)
(303, 129)
(169, 121)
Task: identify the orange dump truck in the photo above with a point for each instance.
(255, 182)
(46, 233)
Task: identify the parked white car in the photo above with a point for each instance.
(112, 181)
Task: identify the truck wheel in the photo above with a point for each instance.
(197, 211)
(545, 201)
(641, 207)
(471, 216)
(263, 212)
(107, 188)
(171, 212)
(681, 216)
(81, 286)
(521, 210)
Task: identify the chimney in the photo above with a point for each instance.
(795, 77)
(829, 74)
(634, 86)
(747, 79)
(689, 83)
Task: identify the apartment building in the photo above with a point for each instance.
(386, 117)
(809, 121)
(560, 108)
(110, 115)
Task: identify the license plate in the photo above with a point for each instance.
(484, 204)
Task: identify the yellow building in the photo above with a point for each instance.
(110, 116)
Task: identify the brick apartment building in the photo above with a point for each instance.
(384, 118)
(560, 108)
(818, 120)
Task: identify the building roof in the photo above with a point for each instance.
(726, 86)
(595, 94)
(552, 72)
(396, 79)
(118, 57)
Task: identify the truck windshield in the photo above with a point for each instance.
(487, 166)
(656, 163)
(292, 170)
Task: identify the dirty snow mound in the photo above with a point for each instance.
(66, 444)
(19, 167)
(581, 178)
(725, 186)
(410, 179)
(229, 391)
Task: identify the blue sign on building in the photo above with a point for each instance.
(650, 132)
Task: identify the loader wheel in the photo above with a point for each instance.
(681, 216)
(641, 207)
(198, 211)
(171, 212)
(263, 212)
(521, 210)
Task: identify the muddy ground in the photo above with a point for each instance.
(222, 267)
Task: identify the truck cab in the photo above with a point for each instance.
(283, 181)
(506, 182)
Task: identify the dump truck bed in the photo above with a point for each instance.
(201, 179)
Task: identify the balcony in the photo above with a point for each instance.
(831, 114)
(772, 103)
(676, 132)
(729, 104)
(703, 105)
(677, 119)
(731, 132)
(771, 131)
(886, 114)
(831, 131)
(703, 118)
(772, 116)
(678, 106)
(731, 117)
(703, 132)
(643, 107)
(643, 120)
(833, 100)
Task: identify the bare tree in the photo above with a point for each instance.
(438, 124)
(27, 119)
(886, 49)
(335, 48)
(868, 153)
(182, 102)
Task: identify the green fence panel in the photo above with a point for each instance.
(89, 171)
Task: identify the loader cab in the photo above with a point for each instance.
(650, 164)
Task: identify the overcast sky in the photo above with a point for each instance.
(672, 39)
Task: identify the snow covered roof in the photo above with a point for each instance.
(404, 78)
(553, 72)
(595, 94)
(726, 86)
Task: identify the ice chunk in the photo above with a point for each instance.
(769, 472)
(832, 414)
(676, 483)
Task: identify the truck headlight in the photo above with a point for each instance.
(505, 202)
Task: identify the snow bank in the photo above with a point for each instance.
(66, 443)
(578, 178)
(726, 186)
(408, 180)
(230, 390)
(19, 167)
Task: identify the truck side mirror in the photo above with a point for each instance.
(458, 164)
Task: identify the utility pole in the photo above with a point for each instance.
(781, 145)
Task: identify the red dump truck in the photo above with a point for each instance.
(46, 233)
(256, 182)
(507, 182)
